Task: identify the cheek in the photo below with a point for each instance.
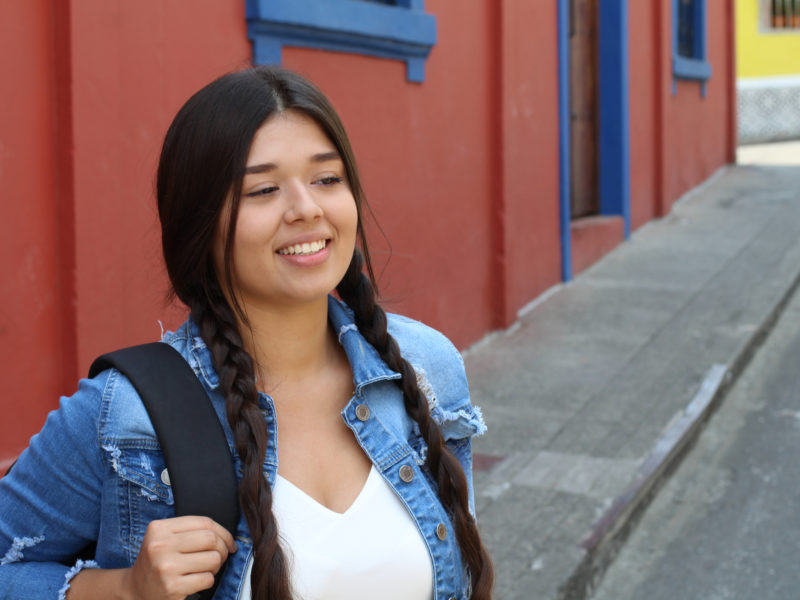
(351, 217)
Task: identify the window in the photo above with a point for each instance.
(689, 42)
(394, 29)
(686, 29)
(780, 15)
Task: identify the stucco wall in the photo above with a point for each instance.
(679, 136)
(461, 170)
(35, 330)
(761, 52)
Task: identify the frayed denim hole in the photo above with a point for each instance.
(15, 554)
(69, 576)
(143, 471)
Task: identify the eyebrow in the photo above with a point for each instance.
(315, 158)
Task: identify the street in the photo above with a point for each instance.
(578, 397)
(725, 525)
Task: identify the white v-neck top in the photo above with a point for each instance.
(372, 550)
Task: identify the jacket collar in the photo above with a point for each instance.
(367, 365)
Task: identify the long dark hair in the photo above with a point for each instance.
(202, 165)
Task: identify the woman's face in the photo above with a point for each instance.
(296, 227)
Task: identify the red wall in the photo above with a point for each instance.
(529, 156)
(87, 99)
(422, 152)
(646, 98)
(461, 170)
(677, 139)
(34, 322)
(695, 141)
(130, 76)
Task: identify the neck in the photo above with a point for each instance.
(289, 343)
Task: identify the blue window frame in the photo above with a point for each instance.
(689, 42)
(394, 29)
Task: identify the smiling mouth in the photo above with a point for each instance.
(303, 249)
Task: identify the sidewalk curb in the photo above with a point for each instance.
(610, 531)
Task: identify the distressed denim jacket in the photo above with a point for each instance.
(96, 472)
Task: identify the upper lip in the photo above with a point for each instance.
(304, 239)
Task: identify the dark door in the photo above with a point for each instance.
(583, 52)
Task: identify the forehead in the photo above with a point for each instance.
(290, 135)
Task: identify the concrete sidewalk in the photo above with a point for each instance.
(603, 383)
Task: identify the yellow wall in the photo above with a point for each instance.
(761, 54)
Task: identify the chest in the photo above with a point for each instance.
(371, 550)
(316, 451)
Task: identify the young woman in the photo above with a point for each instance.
(350, 428)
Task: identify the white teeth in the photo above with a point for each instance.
(306, 248)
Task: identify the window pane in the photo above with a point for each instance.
(778, 14)
(686, 25)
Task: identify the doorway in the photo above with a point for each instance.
(583, 101)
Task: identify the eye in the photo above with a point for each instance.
(329, 180)
(264, 191)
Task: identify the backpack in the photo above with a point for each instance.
(196, 453)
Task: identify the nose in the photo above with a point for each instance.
(303, 206)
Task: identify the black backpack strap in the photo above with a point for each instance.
(195, 450)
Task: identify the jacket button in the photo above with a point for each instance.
(165, 477)
(406, 473)
(441, 531)
(362, 412)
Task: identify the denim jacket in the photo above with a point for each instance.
(96, 472)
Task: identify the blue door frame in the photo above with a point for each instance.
(614, 121)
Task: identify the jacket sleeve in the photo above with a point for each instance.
(50, 500)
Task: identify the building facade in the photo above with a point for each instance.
(504, 146)
(768, 70)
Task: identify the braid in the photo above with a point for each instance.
(357, 291)
(217, 323)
